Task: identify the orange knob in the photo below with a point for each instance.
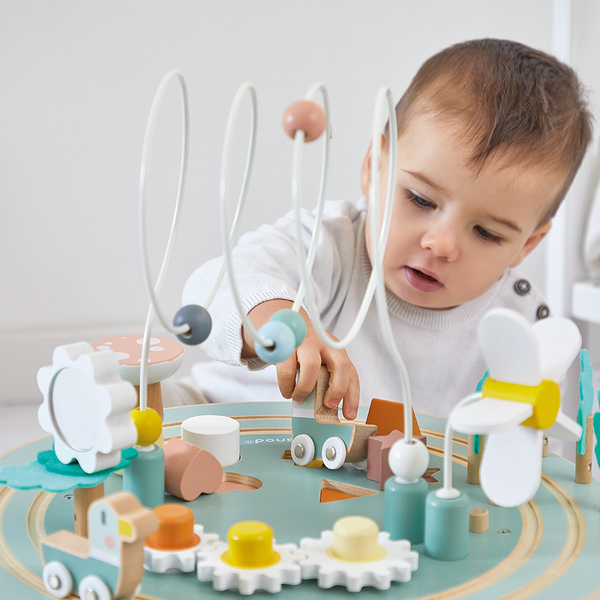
(175, 529)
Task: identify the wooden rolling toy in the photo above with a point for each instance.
(109, 563)
(318, 433)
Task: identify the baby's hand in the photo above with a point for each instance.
(306, 362)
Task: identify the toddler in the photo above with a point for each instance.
(490, 136)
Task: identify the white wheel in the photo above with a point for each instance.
(333, 453)
(57, 579)
(303, 449)
(92, 587)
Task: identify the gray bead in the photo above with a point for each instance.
(522, 287)
(198, 319)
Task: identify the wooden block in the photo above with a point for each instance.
(217, 434)
(378, 467)
(377, 459)
(190, 471)
(479, 520)
(583, 462)
(389, 416)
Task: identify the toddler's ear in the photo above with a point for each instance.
(531, 244)
(365, 174)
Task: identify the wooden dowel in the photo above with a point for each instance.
(479, 520)
(474, 459)
(82, 498)
(583, 462)
(154, 398)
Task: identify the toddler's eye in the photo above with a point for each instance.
(418, 201)
(488, 236)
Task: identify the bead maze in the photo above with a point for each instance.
(398, 530)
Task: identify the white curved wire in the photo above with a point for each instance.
(225, 236)
(447, 474)
(377, 253)
(296, 184)
(153, 290)
(367, 298)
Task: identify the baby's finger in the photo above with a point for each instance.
(352, 397)
(339, 380)
(286, 375)
(309, 366)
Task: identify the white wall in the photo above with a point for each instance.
(77, 83)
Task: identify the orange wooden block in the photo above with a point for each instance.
(190, 471)
(334, 496)
(389, 416)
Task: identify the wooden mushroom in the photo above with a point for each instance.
(165, 358)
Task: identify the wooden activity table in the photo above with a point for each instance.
(548, 548)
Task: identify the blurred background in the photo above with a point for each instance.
(77, 82)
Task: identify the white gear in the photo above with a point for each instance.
(286, 571)
(397, 565)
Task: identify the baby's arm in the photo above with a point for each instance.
(307, 360)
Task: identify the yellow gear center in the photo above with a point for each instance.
(355, 539)
(250, 546)
(545, 399)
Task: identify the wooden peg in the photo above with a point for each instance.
(545, 447)
(474, 459)
(583, 462)
(479, 520)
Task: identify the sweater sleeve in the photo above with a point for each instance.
(266, 268)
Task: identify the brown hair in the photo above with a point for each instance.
(516, 102)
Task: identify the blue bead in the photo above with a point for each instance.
(199, 321)
(294, 321)
(283, 340)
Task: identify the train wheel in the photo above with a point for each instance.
(303, 449)
(91, 587)
(57, 579)
(333, 453)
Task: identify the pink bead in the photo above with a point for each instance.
(306, 116)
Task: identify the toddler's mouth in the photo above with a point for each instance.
(421, 281)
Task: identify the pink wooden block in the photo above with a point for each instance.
(190, 471)
(378, 467)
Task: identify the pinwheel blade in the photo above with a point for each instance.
(559, 342)
(511, 468)
(490, 415)
(510, 347)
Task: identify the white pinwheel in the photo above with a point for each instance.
(519, 401)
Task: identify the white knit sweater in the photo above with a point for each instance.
(439, 347)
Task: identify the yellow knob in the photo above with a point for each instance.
(355, 539)
(250, 546)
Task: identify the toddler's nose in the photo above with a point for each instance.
(442, 241)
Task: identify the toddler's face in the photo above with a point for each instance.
(455, 231)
